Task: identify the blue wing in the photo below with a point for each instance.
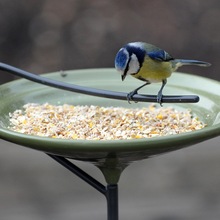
(160, 55)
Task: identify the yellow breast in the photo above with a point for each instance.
(154, 71)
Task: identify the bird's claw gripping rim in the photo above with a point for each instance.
(160, 98)
(130, 96)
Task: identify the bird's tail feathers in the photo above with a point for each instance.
(181, 62)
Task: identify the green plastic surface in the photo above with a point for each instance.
(114, 155)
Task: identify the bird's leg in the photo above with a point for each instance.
(134, 92)
(160, 93)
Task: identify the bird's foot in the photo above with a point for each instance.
(130, 96)
(159, 98)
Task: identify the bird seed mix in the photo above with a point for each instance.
(101, 123)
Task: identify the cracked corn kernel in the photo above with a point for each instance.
(101, 123)
(160, 116)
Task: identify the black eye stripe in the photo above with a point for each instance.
(127, 66)
(138, 52)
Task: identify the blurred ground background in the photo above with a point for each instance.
(50, 35)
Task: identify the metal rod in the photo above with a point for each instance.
(112, 201)
(110, 192)
(80, 173)
(93, 91)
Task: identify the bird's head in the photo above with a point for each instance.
(130, 58)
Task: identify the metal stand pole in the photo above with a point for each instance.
(110, 191)
(112, 201)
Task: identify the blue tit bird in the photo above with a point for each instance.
(150, 64)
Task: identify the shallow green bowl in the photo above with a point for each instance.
(112, 152)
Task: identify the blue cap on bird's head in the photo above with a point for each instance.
(121, 59)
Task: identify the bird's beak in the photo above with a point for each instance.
(123, 77)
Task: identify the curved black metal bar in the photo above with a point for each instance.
(93, 91)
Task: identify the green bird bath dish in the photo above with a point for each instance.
(110, 156)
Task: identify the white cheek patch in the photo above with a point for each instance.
(134, 65)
